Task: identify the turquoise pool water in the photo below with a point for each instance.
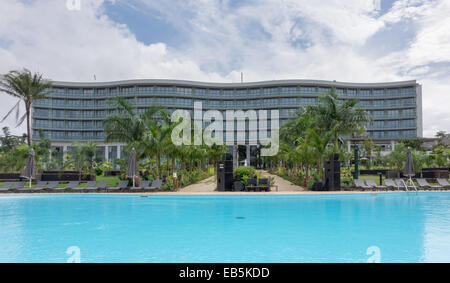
(318, 228)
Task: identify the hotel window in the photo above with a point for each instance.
(229, 104)
(378, 103)
(254, 91)
(270, 102)
(407, 91)
(114, 91)
(304, 89)
(351, 92)
(59, 102)
(323, 90)
(88, 135)
(364, 93)
(340, 91)
(200, 91)
(73, 92)
(129, 90)
(214, 92)
(57, 91)
(272, 90)
(392, 91)
(41, 112)
(74, 102)
(308, 101)
(88, 114)
(228, 93)
(184, 101)
(378, 92)
(241, 92)
(74, 124)
(58, 135)
(145, 89)
(74, 135)
(288, 90)
(58, 124)
(101, 91)
(183, 90)
(88, 92)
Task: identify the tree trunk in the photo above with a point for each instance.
(158, 165)
(28, 106)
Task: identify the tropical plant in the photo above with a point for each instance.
(130, 126)
(28, 87)
(342, 118)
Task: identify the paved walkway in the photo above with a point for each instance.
(206, 186)
(283, 185)
(209, 185)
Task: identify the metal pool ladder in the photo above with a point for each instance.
(406, 185)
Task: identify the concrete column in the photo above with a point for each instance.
(248, 155)
(349, 146)
(392, 145)
(118, 152)
(64, 152)
(107, 153)
(235, 156)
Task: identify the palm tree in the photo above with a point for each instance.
(28, 87)
(341, 117)
(319, 144)
(129, 125)
(156, 140)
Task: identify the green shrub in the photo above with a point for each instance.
(98, 171)
(243, 173)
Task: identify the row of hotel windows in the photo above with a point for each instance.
(186, 102)
(392, 124)
(98, 125)
(100, 136)
(102, 114)
(133, 90)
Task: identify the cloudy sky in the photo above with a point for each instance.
(215, 40)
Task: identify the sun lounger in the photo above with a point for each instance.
(425, 185)
(144, 185)
(444, 183)
(53, 186)
(90, 186)
(156, 185)
(360, 184)
(102, 185)
(390, 184)
(372, 183)
(18, 185)
(72, 185)
(39, 187)
(6, 186)
(122, 185)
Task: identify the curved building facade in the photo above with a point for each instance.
(74, 112)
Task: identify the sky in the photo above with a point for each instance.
(216, 40)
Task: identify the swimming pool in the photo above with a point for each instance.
(395, 227)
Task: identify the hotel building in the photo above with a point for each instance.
(74, 112)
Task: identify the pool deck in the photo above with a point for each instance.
(208, 187)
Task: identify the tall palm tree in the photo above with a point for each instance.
(341, 117)
(129, 126)
(28, 87)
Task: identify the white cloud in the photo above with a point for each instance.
(265, 39)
